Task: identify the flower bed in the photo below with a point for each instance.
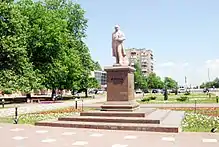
(194, 122)
(199, 119)
(32, 118)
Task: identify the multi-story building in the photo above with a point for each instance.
(101, 77)
(145, 58)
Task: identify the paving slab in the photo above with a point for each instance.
(35, 136)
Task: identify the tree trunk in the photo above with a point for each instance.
(86, 93)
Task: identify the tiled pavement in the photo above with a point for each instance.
(32, 136)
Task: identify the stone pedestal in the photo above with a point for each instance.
(120, 89)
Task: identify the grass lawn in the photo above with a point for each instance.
(199, 119)
(200, 98)
(31, 118)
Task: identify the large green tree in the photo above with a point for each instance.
(97, 66)
(56, 44)
(170, 83)
(154, 81)
(16, 71)
(42, 45)
(139, 78)
(211, 84)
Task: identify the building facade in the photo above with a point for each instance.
(145, 58)
(101, 77)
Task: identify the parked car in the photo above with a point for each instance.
(145, 91)
(205, 90)
(182, 90)
(155, 91)
(138, 91)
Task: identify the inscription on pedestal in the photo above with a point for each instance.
(117, 80)
(124, 93)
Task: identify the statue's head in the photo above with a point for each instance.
(117, 27)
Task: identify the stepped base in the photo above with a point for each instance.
(112, 126)
(120, 106)
(140, 120)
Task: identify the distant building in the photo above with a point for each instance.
(145, 57)
(100, 77)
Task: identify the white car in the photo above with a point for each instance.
(182, 90)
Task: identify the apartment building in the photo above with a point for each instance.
(101, 77)
(145, 58)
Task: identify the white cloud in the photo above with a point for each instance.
(196, 73)
(212, 63)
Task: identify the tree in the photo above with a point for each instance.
(93, 83)
(154, 81)
(139, 78)
(16, 73)
(211, 84)
(42, 45)
(97, 66)
(55, 45)
(170, 83)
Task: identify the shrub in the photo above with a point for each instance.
(182, 98)
(152, 97)
(7, 91)
(187, 93)
(146, 99)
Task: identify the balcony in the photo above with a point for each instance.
(144, 69)
(133, 57)
(144, 63)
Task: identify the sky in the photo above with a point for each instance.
(183, 34)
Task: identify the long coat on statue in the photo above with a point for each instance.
(117, 46)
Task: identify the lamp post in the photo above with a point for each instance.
(3, 103)
(16, 115)
(76, 103)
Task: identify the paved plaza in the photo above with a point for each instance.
(31, 108)
(33, 136)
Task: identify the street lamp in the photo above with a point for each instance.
(3, 103)
(76, 103)
(16, 115)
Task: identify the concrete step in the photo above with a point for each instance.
(110, 119)
(174, 118)
(113, 114)
(158, 115)
(118, 113)
(111, 126)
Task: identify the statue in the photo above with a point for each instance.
(118, 51)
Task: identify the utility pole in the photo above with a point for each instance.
(209, 75)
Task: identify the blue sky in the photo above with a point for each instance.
(183, 34)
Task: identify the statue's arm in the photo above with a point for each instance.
(121, 37)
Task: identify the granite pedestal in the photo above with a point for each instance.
(120, 89)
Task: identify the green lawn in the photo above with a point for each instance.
(172, 99)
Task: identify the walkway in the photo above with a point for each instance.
(31, 108)
(31, 136)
